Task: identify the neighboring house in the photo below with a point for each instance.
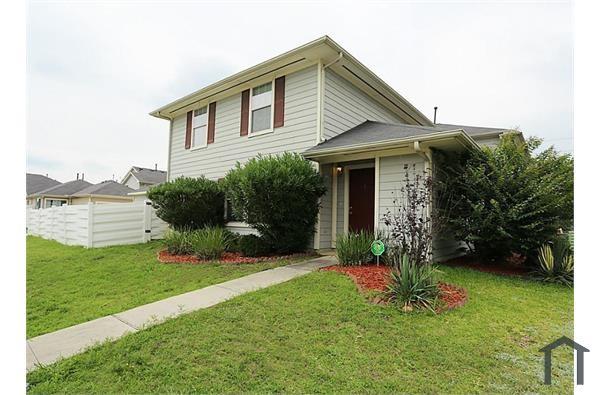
(58, 195)
(320, 101)
(140, 178)
(104, 192)
(36, 183)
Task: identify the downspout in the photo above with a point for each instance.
(321, 95)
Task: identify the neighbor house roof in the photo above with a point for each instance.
(65, 189)
(147, 176)
(38, 182)
(323, 50)
(371, 133)
(106, 188)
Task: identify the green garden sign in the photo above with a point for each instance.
(377, 248)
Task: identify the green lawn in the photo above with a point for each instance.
(69, 285)
(317, 334)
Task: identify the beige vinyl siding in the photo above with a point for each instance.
(345, 106)
(491, 142)
(297, 134)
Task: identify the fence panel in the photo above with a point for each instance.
(96, 225)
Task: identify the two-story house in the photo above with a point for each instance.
(320, 101)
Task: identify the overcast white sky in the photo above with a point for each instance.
(96, 70)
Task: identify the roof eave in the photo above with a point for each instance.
(459, 134)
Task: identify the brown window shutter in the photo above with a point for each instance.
(188, 130)
(210, 135)
(279, 102)
(245, 112)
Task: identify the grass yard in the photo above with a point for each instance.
(317, 334)
(68, 285)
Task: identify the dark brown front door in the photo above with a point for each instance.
(361, 212)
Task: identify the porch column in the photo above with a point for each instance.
(334, 198)
(317, 236)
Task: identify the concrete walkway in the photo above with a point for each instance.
(48, 348)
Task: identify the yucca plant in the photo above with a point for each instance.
(354, 248)
(413, 285)
(178, 242)
(209, 243)
(556, 262)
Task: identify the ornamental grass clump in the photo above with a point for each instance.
(412, 285)
(354, 248)
(178, 242)
(209, 243)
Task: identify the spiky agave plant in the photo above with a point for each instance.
(412, 285)
(556, 263)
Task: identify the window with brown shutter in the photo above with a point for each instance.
(279, 102)
(212, 107)
(188, 130)
(245, 112)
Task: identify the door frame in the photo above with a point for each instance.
(347, 169)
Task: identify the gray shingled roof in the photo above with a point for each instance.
(38, 182)
(374, 132)
(66, 189)
(149, 176)
(111, 188)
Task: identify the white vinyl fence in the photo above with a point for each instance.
(97, 225)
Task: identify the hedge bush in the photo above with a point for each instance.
(189, 203)
(279, 197)
(252, 246)
(506, 200)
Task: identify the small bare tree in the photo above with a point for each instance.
(411, 225)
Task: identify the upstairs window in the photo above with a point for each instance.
(261, 103)
(199, 128)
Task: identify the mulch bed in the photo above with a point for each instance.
(228, 258)
(376, 278)
(510, 268)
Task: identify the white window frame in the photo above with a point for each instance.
(270, 129)
(204, 143)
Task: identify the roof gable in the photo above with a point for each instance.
(323, 50)
(145, 175)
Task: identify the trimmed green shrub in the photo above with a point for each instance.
(178, 242)
(189, 203)
(411, 284)
(253, 245)
(279, 197)
(354, 248)
(505, 200)
(209, 243)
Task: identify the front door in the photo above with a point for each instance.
(361, 212)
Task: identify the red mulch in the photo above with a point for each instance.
(366, 277)
(376, 278)
(513, 267)
(228, 257)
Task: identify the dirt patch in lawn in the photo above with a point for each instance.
(510, 268)
(227, 258)
(376, 278)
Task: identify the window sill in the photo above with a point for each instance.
(237, 224)
(198, 147)
(266, 131)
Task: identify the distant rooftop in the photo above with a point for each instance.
(148, 176)
(109, 188)
(66, 189)
(39, 182)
